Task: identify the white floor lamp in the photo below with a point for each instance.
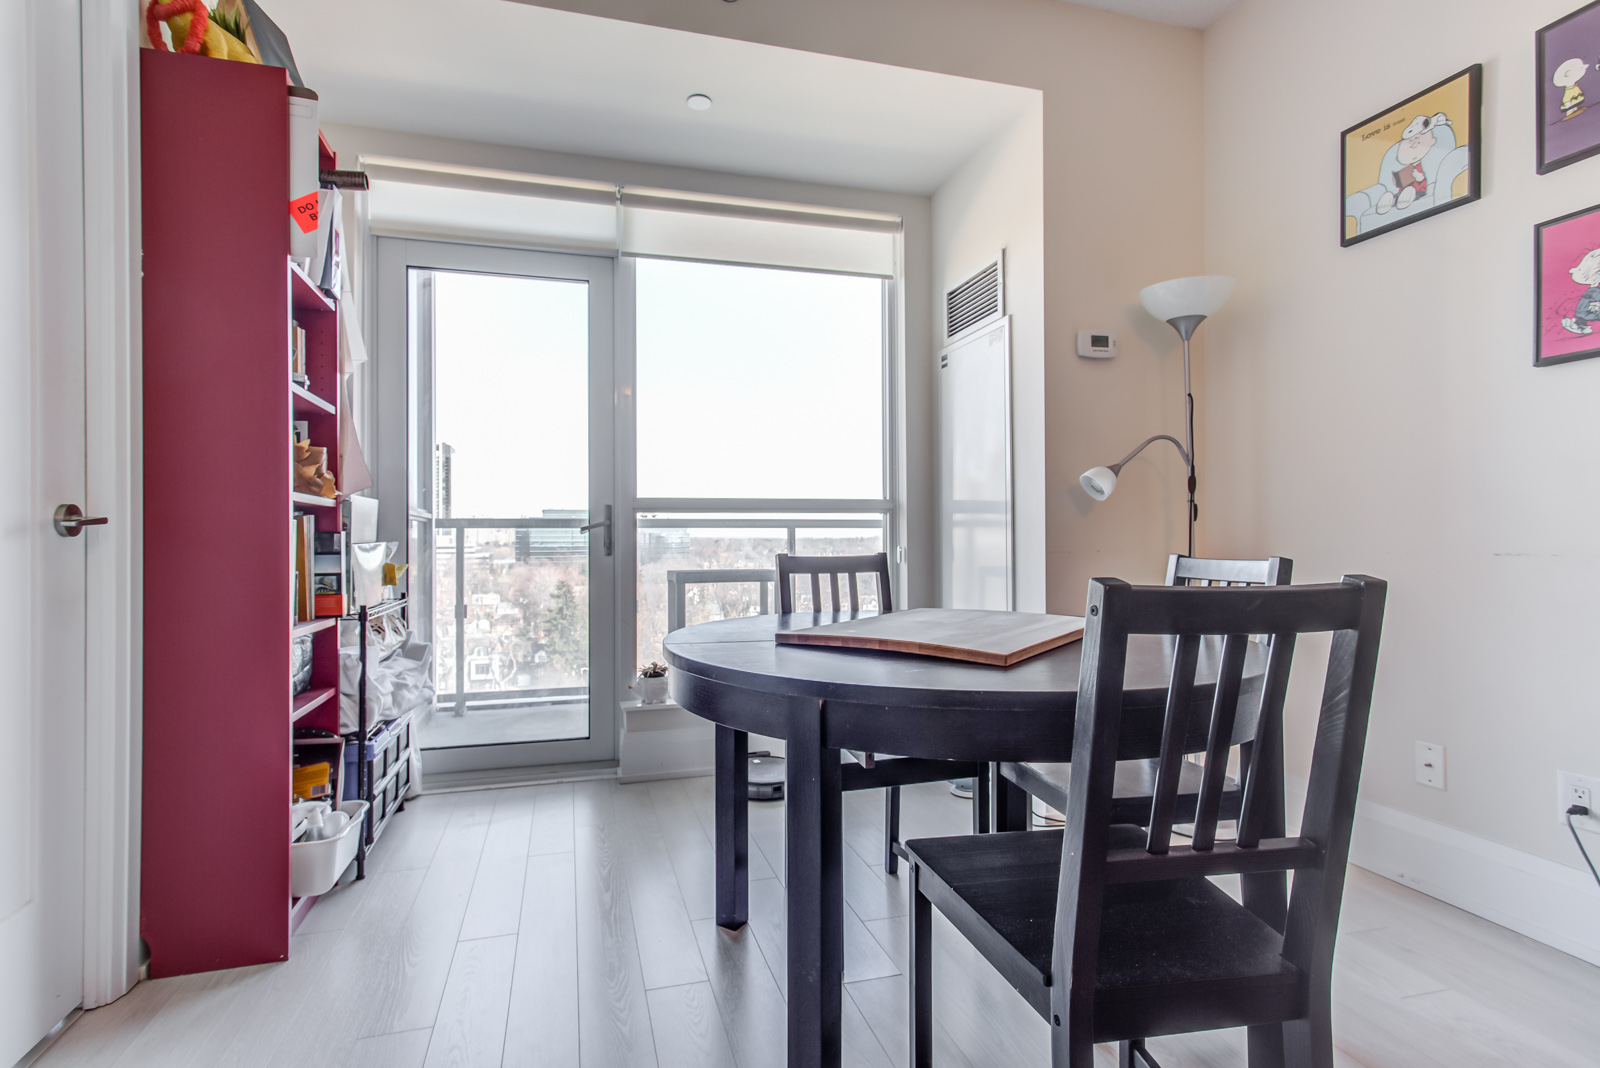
(1183, 304)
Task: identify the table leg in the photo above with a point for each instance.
(733, 827)
(814, 851)
(982, 801)
(891, 829)
(1011, 802)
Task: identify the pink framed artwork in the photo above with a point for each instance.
(1566, 256)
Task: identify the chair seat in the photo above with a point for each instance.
(1131, 790)
(1170, 952)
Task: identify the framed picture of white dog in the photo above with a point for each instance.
(1566, 285)
(1568, 54)
(1418, 158)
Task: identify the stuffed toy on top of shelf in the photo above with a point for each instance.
(196, 30)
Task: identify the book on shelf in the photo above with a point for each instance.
(302, 530)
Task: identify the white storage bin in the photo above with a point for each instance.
(316, 866)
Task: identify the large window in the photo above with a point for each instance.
(760, 428)
(759, 383)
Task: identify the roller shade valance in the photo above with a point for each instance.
(417, 197)
(673, 233)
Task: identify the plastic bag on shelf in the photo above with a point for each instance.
(398, 681)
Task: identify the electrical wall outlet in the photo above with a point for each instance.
(1574, 789)
(1430, 765)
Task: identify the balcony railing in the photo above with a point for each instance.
(483, 669)
(534, 539)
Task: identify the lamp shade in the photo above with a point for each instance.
(1201, 295)
(1098, 482)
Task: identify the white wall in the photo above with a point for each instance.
(1375, 409)
(996, 201)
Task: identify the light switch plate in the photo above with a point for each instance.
(1430, 765)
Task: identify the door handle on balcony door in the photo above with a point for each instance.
(69, 520)
(605, 523)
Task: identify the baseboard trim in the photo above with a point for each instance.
(1532, 895)
(657, 776)
(32, 1057)
(505, 778)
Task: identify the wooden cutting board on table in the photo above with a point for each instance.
(982, 637)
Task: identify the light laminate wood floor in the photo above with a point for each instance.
(571, 925)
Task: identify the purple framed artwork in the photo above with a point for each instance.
(1566, 257)
(1567, 53)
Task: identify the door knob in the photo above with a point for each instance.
(70, 520)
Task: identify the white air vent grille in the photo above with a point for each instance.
(977, 300)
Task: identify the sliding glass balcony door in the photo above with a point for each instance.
(510, 432)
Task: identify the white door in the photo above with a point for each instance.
(510, 448)
(42, 431)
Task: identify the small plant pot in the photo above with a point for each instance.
(651, 691)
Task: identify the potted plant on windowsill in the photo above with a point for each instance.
(651, 685)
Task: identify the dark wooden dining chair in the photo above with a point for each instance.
(871, 771)
(1112, 932)
(1015, 784)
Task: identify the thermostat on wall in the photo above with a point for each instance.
(1097, 345)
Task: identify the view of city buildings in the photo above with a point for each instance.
(526, 596)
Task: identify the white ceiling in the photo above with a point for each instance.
(1196, 13)
(512, 73)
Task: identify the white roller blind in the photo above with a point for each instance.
(411, 210)
(760, 235)
(411, 197)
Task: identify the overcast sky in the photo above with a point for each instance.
(750, 382)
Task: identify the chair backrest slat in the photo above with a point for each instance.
(1224, 707)
(1174, 730)
(1262, 758)
(791, 568)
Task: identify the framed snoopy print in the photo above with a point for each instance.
(1418, 158)
(1566, 286)
(1567, 55)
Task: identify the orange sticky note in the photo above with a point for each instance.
(303, 210)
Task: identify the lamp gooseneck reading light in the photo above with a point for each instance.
(1183, 304)
(1101, 482)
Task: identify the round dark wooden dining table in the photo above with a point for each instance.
(823, 700)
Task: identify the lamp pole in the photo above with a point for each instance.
(1186, 325)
